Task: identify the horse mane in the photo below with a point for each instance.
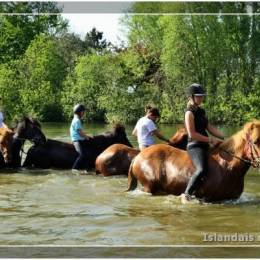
(35, 122)
(118, 128)
(31, 120)
(5, 131)
(232, 144)
(236, 141)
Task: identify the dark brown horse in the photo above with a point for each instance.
(116, 159)
(62, 155)
(161, 168)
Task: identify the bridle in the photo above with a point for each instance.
(254, 155)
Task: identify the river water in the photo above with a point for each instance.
(54, 207)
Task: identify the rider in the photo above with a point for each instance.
(197, 126)
(78, 137)
(145, 128)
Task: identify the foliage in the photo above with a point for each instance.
(17, 31)
(45, 70)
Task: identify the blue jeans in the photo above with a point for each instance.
(81, 161)
(199, 157)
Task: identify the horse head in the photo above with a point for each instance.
(6, 136)
(30, 129)
(251, 135)
(180, 139)
(120, 134)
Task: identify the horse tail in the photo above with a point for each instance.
(132, 181)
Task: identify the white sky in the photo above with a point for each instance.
(107, 23)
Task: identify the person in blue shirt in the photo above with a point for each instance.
(78, 137)
(2, 124)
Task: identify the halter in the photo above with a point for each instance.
(255, 157)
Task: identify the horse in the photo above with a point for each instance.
(6, 136)
(62, 155)
(116, 159)
(161, 168)
(180, 139)
(25, 129)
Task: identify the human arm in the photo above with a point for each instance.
(134, 132)
(160, 136)
(190, 126)
(82, 133)
(215, 132)
(78, 127)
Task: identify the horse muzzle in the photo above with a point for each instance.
(256, 163)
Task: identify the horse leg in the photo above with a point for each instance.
(27, 162)
(147, 188)
(132, 181)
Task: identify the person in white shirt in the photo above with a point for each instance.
(145, 129)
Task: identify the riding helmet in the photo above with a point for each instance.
(78, 108)
(195, 90)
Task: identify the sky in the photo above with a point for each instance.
(109, 24)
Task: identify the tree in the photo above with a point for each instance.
(17, 31)
(84, 85)
(94, 41)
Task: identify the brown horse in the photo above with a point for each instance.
(116, 159)
(180, 139)
(161, 168)
(6, 137)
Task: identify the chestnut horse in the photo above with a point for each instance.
(161, 168)
(6, 137)
(26, 129)
(116, 159)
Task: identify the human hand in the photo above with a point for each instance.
(88, 137)
(169, 142)
(215, 142)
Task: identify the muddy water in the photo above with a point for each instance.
(52, 207)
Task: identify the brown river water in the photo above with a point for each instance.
(58, 208)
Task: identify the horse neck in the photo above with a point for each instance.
(235, 145)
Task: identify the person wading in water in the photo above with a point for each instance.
(197, 126)
(145, 128)
(79, 137)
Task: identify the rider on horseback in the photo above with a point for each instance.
(197, 126)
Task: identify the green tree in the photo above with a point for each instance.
(84, 85)
(17, 31)
(94, 41)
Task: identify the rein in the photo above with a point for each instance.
(235, 156)
(255, 161)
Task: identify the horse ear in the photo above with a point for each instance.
(249, 127)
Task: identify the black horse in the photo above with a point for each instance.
(25, 129)
(57, 154)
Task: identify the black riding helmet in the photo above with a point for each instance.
(78, 108)
(195, 90)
